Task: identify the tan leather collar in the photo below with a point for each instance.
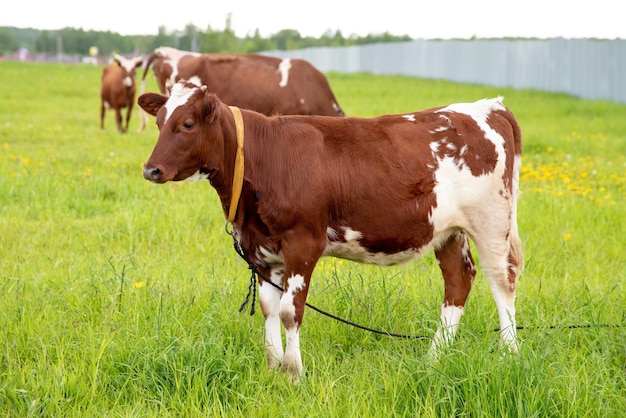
(239, 164)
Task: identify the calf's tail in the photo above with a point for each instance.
(515, 244)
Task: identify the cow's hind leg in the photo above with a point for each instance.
(501, 261)
(118, 119)
(102, 112)
(458, 270)
(129, 110)
(269, 299)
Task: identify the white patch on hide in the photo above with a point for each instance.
(455, 183)
(352, 235)
(450, 319)
(197, 176)
(294, 284)
(172, 56)
(269, 257)
(351, 249)
(283, 68)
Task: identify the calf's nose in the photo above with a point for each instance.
(152, 173)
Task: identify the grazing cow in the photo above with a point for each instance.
(382, 190)
(118, 89)
(268, 85)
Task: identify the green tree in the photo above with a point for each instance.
(256, 43)
(162, 39)
(190, 39)
(8, 43)
(78, 41)
(287, 39)
(216, 41)
(46, 42)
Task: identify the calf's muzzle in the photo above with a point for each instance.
(152, 173)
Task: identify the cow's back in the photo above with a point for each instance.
(312, 88)
(268, 85)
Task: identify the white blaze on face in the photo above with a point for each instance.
(129, 65)
(283, 68)
(179, 95)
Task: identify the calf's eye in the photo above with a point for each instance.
(188, 125)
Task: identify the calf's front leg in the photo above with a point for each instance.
(269, 299)
(301, 252)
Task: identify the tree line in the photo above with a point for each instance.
(76, 41)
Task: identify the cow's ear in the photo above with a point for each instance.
(210, 107)
(117, 58)
(151, 102)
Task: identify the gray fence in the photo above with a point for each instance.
(590, 69)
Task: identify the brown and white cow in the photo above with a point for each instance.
(118, 89)
(382, 190)
(269, 85)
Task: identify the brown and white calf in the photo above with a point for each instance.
(269, 85)
(118, 89)
(382, 190)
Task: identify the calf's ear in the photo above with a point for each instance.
(151, 102)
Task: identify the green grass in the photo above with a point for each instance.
(119, 297)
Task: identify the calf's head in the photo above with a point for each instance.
(190, 144)
(128, 65)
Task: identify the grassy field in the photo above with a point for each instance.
(119, 297)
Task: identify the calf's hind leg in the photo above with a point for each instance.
(501, 262)
(458, 270)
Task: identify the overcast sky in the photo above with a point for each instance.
(416, 18)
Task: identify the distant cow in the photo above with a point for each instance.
(382, 190)
(118, 89)
(268, 85)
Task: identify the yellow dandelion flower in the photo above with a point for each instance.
(567, 236)
(139, 285)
